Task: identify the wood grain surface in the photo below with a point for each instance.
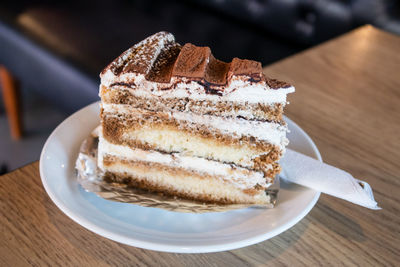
(347, 98)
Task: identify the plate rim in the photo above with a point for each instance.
(76, 217)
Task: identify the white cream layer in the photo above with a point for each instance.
(237, 90)
(271, 132)
(240, 177)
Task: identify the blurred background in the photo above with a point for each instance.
(52, 52)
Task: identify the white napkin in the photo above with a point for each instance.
(308, 172)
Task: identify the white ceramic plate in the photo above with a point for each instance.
(157, 229)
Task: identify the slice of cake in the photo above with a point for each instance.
(178, 121)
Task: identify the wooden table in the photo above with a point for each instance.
(347, 99)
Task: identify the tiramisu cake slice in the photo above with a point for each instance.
(178, 121)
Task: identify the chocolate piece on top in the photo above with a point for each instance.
(162, 68)
(192, 62)
(244, 67)
(276, 84)
(216, 72)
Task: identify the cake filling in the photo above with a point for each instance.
(273, 133)
(251, 111)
